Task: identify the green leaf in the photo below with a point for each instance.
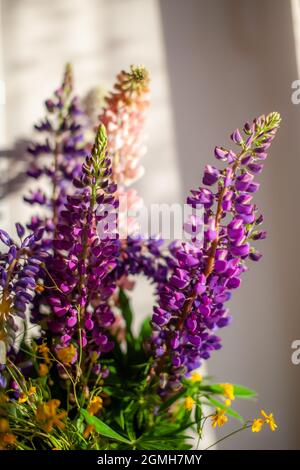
(171, 443)
(239, 390)
(102, 428)
(128, 317)
(120, 420)
(229, 411)
(126, 310)
(146, 330)
(80, 424)
(244, 392)
(130, 430)
(198, 416)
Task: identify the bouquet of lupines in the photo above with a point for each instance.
(84, 380)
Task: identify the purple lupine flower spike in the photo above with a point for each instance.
(191, 304)
(60, 150)
(84, 259)
(19, 277)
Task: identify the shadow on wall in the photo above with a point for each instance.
(18, 160)
(228, 62)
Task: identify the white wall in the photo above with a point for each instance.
(229, 61)
(218, 63)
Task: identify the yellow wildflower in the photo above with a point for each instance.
(66, 355)
(257, 425)
(228, 391)
(3, 398)
(31, 391)
(43, 370)
(189, 403)
(48, 416)
(269, 419)
(227, 402)
(6, 437)
(88, 430)
(4, 425)
(9, 438)
(43, 348)
(219, 418)
(23, 397)
(196, 377)
(44, 351)
(95, 405)
(39, 288)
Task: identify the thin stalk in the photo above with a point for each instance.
(246, 426)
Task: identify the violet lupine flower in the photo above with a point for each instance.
(191, 304)
(141, 256)
(20, 270)
(83, 259)
(60, 152)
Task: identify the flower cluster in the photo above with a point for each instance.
(258, 423)
(20, 268)
(84, 255)
(57, 155)
(87, 380)
(191, 303)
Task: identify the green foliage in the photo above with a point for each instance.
(102, 428)
(123, 412)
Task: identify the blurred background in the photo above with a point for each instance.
(214, 64)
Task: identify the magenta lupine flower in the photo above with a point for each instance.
(191, 304)
(82, 261)
(141, 256)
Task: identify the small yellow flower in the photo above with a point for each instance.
(196, 377)
(66, 355)
(95, 405)
(31, 391)
(4, 425)
(219, 418)
(269, 419)
(48, 416)
(44, 351)
(257, 425)
(189, 403)
(88, 430)
(227, 402)
(3, 398)
(6, 437)
(43, 370)
(228, 391)
(23, 398)
(39, 288)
